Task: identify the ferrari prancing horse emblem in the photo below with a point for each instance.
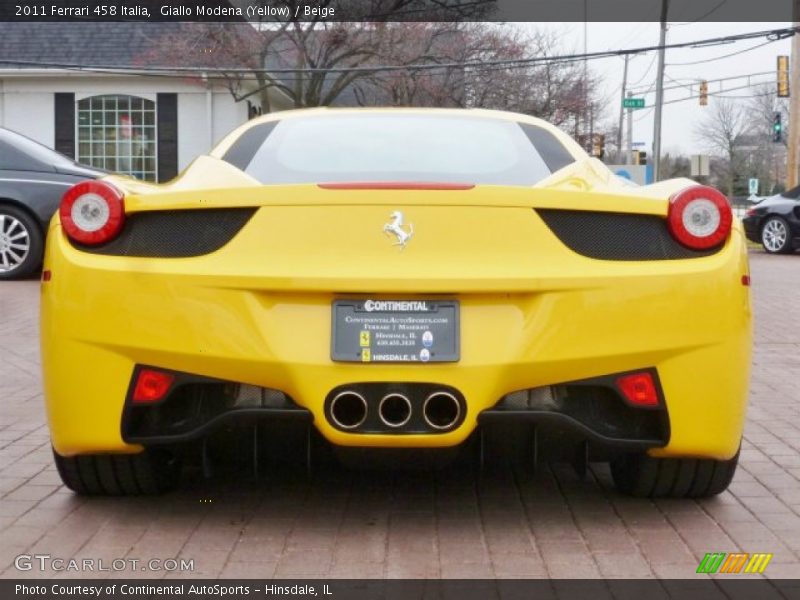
(395, 227)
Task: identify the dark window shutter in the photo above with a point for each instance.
(65, 124)
(167, 119)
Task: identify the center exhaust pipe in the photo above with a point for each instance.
(441, 410)
(394, 410)
(348, 409)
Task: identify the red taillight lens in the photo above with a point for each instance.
(639, 389)
(151, 386)
(92, 212)
(750, 212)
(700, 217)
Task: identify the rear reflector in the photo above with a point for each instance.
(396, 185)
(639, 389)
(151, 386)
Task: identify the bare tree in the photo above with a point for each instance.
(310, 60)
(721, 132)
(555, 91)
(675, 166)
(440, 63)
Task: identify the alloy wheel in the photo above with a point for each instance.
(15, 243)
(774, 235)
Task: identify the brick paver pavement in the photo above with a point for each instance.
(450, 524)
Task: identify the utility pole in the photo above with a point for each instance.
(585, 86)
(792, 158)
(629, 136)
(659, 91)
(621, 102)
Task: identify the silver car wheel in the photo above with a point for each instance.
(15, 243)
(774, 235)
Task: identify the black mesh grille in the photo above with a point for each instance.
(617, 236)
(175, 233)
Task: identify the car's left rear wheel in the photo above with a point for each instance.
(643, 476)
(147, 473)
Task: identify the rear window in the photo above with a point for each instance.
(398, 148)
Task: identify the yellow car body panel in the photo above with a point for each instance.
(532, 311)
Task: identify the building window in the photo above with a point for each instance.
(118, 133)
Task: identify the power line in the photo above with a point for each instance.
(772, 34)
(647, 72)
(721, 93)
(720, 79)
(644, 115)
(707, 60)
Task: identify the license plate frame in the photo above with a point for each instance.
(398, 331)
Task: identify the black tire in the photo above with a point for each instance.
(646, 477)
(770, 235)
(147, 473)
(32, 236)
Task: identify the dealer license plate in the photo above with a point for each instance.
(395, 331)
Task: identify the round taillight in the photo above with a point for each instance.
(700, 217)
(92, 212)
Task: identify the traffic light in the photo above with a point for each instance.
(639, 157)
(599, 145)
(777, 128)
(783, 77)
(703, 93)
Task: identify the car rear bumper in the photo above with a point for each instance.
(752, 228)
(576, 319)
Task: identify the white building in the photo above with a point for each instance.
(70, 87)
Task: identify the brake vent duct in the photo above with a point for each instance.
(594, 409)
(175, 233)
(617, 236)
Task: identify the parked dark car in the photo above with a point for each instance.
(33, 178)
(775, 222)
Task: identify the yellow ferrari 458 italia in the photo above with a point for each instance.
(398, 280)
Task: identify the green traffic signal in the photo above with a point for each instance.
(777, 128)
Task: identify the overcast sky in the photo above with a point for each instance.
(680, 118)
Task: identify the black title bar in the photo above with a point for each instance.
(277, 11)
(399, 589)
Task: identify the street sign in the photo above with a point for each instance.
(633, 103)
(638, 144)
(753, 186)
(699, 165)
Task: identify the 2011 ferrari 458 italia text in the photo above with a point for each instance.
(398, 279)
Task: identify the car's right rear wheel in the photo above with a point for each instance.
(775, 236)
(647, 477)
(147, 473)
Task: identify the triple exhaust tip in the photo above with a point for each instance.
(440, 410)
(348, 409)
(394, 410)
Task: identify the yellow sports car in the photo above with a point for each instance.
(397, 279)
